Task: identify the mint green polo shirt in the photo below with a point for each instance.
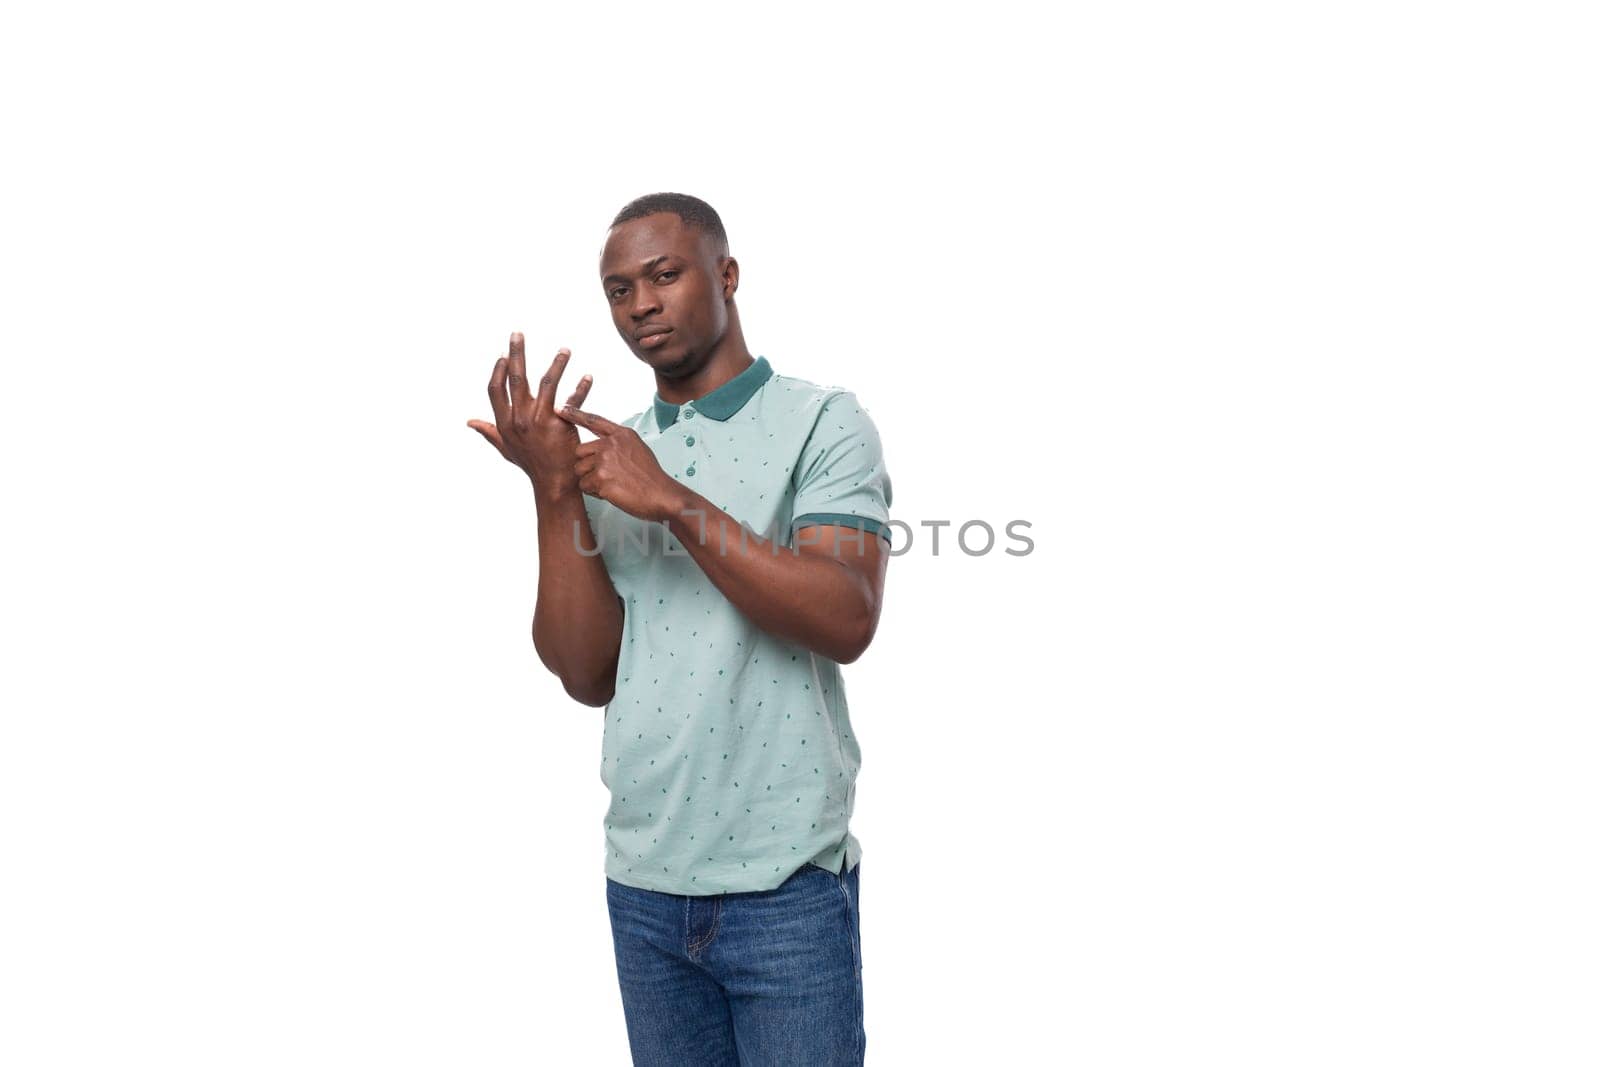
(728, 751)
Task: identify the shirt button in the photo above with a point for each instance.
(688, 413)
(690, 472)
(689, 440)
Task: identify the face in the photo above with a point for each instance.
(661, 275)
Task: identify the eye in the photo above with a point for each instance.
(666, 273)
(618, 289)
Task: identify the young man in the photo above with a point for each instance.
(706, 564)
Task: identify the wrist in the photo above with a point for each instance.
(676, 502)
(555, 491)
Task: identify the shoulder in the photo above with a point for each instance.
(809, 400)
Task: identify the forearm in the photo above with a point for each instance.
(577, 620)
(813, 600)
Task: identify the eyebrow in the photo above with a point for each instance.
(646, 269)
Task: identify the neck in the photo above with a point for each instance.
(726, 361)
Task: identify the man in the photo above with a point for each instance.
(706, 565)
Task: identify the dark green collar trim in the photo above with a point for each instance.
(724, 400)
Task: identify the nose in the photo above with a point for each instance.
(643, 302)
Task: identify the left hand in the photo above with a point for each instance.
(619, 467)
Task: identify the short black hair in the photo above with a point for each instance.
(691, 209)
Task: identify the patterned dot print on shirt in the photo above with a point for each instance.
(743, 740)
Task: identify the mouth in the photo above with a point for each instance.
(654, 337)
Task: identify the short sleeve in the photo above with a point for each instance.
(840, 478)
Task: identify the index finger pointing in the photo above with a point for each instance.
(589, 421)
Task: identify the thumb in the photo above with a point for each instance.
(490, 434)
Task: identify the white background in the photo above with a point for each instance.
(1277, 322)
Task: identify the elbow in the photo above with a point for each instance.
(595, 692)
(593, 696)
(857, 641)
(592, 692)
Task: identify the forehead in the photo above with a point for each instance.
(636, 242)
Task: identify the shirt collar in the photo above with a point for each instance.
(724, 400)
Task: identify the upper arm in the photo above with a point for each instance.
(841, 478)
(865, 557)
(843, 493)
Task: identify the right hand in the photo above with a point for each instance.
(526, 429)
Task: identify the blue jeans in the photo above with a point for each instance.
(752, 979)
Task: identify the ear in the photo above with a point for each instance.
(730, 277)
